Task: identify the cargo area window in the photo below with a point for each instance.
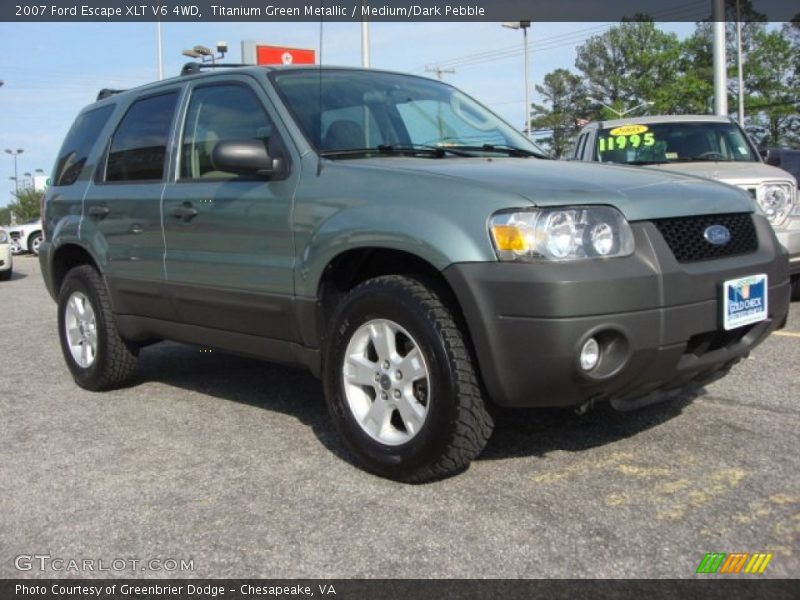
(78, 143)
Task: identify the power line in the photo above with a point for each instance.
(558, 41)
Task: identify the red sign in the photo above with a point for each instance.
(278, 55)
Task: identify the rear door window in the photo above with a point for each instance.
(139, 146)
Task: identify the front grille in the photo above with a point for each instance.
(684, 236)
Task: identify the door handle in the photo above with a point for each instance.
(185, 211)
(99, 211)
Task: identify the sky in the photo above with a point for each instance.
(52, 70)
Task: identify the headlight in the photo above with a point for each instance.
(3, 237)
(776, 200)
(561, 234)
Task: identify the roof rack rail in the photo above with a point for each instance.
(191, 68)
(107, 92)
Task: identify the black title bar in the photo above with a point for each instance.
(378, 10)
(708, 588)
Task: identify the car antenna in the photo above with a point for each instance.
(321, 21)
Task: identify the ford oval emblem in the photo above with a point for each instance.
(719, 235)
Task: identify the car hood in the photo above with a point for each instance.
(639, 193)
(734, 173)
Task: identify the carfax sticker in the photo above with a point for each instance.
(744, 301)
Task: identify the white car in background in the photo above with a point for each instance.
(706, 146)
(6, 261)
(26, 237)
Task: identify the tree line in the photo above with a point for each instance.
(636, 64)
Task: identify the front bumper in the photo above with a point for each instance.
(790, 239)
(661, 320)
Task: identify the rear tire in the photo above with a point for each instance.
(400, 382)
(5, 275)
(795, 287)
(96, 354)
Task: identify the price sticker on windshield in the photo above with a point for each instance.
(627, 136)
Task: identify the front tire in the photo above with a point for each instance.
(96, 354)
(34, 242)
(795, 287)
(400, 382)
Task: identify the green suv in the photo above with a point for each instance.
(402, 242)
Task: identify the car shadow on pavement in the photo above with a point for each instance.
(295, 392)
(538, 431)
(17, 275)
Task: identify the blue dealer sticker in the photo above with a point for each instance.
(744, 301)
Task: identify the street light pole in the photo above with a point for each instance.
(364, 37)
(15, 153)
(159, 51)
(524, 25)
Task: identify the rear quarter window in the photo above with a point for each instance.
(78, 144)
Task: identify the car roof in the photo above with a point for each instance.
(110, 95)
(659, 119)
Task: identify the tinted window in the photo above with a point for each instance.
(139, 145)
(79, 142)
(221, 112)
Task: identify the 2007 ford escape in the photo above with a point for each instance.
(403, 243)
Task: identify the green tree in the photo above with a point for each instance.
(771, 84)
(5, 216)
(26, 204)
(630, 64)
(564, 104)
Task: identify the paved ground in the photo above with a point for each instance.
(233, 463)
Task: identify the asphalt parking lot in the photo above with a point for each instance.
(233, 463)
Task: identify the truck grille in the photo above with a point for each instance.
(684, 236)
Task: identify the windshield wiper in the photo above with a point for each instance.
(645, 162)
(390, 149)
(502, 148)
(701, 158)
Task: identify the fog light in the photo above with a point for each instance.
(590, 354)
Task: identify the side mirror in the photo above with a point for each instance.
(244, 157)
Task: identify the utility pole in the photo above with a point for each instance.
(15, 154)
(720, 74)
(439, 71)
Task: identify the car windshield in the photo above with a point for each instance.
(685, 141)
(352, 114)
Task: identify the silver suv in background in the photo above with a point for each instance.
(707, 146)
